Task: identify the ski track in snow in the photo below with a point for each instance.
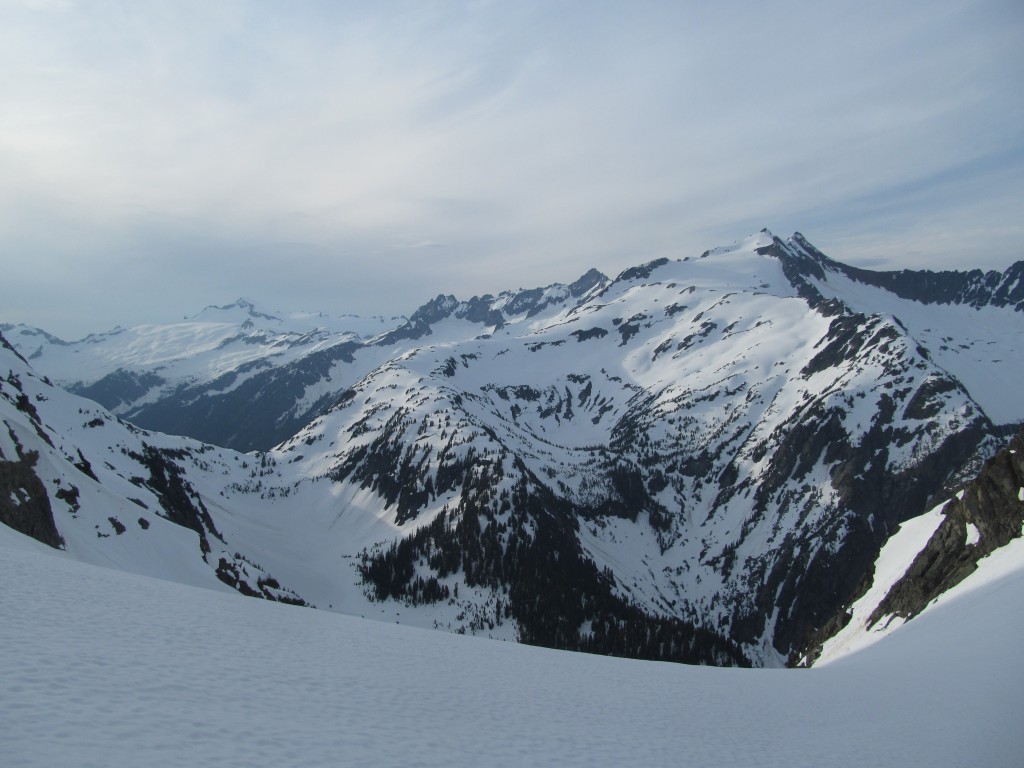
(103, 668)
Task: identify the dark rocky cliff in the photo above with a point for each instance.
(986, 514)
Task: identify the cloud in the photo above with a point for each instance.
(523, 141)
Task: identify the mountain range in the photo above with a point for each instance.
(701, 460)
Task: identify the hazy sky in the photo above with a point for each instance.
(156, 157)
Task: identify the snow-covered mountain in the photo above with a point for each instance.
(233, 375)
(74, 476)
(718, 440)
(698, 460)
(244, 378)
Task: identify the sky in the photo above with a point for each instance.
(360, 158)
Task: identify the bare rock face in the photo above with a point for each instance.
(24, 504)
(987, 515)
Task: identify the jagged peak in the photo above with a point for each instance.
(491, 310)
(242, 303)
(641, 271)
(798, 245)
(588, 281)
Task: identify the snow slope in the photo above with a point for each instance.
(105, 668)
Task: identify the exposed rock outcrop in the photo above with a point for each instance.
(24, 504)
(985, 516)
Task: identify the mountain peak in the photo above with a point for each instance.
(590, 279)
(242, 304)
(757, 243)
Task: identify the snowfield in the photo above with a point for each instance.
(105, 668)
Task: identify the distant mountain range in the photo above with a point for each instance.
(698, 460)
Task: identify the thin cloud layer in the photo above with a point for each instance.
(158, 157)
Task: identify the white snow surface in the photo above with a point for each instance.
(105, 668)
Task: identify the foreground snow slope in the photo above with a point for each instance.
(101, 667)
